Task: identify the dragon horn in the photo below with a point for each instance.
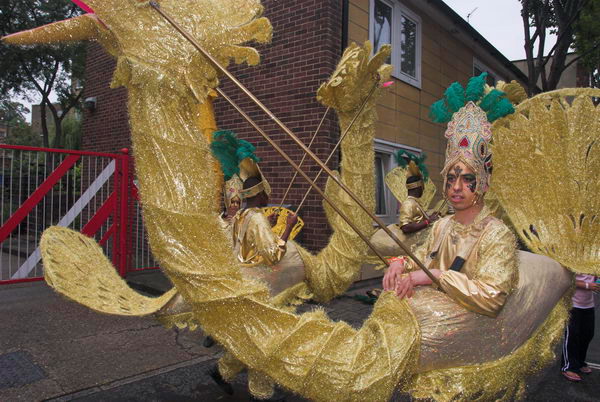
(83, 27)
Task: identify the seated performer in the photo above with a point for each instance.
(253, 240)
(413, 217)
(471, 252)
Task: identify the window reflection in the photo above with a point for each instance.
(380, 184)
(383, 25)
(408, 64)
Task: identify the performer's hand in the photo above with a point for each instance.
(273, 218)
(434, 217)
(594, 287)
(393, 274)
(292, 219)
(404, 286)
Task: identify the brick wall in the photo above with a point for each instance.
(305, 49)
(106, 129)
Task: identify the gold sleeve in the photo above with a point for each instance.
(421, 252)
(409, 212)
(496, 274)
(259, 236)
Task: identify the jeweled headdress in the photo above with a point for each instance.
(232, 189)
(237, 159)
(469, 113)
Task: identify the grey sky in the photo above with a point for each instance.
(499, 21)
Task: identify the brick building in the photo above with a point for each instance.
(433, 47)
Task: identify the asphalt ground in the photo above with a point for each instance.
(53, 349)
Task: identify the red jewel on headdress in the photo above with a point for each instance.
(464, 143)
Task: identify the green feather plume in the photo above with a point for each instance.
(455, 97)
(475, 88)
(230, 151)
(438, 112)
(490, 100)
(403, 158)
(502, 108)
(495, 103)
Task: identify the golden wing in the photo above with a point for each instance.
(428, 194)
(546, 165)
(396, 182)
(279, 227)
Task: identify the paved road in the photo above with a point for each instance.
(51, 349)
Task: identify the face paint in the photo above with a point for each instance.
(461, 183)
(470, 181)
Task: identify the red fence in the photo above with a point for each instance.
(90, 192)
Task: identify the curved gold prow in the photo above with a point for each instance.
(83, 27)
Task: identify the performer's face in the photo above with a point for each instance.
(460, 187)
(234, 206)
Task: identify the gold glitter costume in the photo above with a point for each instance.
(309, 354)
(411, 211)
(263, 255)
(490, 272)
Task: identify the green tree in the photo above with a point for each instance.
(41, 70)
(562, 18)
(587, 32)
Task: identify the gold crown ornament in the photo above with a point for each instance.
(469, 113)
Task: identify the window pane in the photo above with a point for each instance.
(408, 64)
(382, 31)
(379, 185)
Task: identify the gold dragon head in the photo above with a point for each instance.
(150, 51)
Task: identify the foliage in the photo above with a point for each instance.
(72, 132)
(564, 19)
(41, 70)
(587, 32)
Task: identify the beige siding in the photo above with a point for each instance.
(403, 110)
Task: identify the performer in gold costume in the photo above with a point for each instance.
(413, 220)
(412, 216)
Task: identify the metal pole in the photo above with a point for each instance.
(289, 187)
(346, 131)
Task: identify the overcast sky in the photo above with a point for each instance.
(499, 22)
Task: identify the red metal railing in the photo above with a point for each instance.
(91, 192)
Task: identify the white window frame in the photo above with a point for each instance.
(484, 68)
(389, 149)
(398, 9)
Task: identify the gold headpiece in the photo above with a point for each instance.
(414, 171)
(248, 169)
(469, 113)
(469, 134)
(232, 189)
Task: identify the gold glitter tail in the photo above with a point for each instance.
(76, 267)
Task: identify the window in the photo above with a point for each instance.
(478, 68)
(386, 206)
(392, 23)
